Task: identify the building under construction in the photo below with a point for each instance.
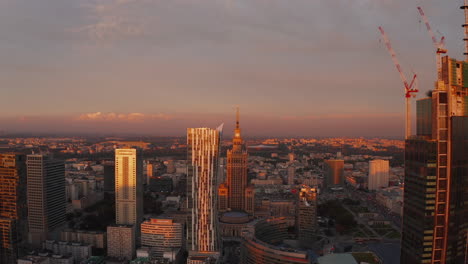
(435, 225)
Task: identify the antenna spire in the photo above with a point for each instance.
(465, 26)
(237, 117)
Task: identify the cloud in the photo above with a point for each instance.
(99, 116)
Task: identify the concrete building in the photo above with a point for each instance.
(334, 172)
(258, 246)
(306, 214)
(78, 251)
(12, 205)
(379, 174)
(95, 238)
(128, 187)
(45, 196)
(435, 208)
(121, 241)
(203, 146)
(160, 235)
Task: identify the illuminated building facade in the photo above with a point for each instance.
(128, 187)
(203, 146)
(307, 214)
(45, 195)
(334, 172)
(378, 177)
(161, 234)
(435, 212)
(237, 170)
(12, 205)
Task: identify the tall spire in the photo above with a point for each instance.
(237, 117)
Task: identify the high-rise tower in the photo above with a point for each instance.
(435, 210)
(378, 174)
(306, 214)
(45, 195)
(128, 187)
(12, 205)
(203, 146)
(237, 170)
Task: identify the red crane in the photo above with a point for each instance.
(410, 90)
(438, 44)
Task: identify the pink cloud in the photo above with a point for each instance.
(99, 116)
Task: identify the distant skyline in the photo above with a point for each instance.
(295, 68)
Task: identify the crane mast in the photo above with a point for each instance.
(410, 89)
(438, 44)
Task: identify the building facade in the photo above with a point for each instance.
(334, 172)
(436, 174)
(379, 171)
(46, 196)
(203, 146)
(161, 234)
(306, 214)
(12, 205)
(128, 187)
(121, 241)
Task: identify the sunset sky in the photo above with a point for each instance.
(295, 67)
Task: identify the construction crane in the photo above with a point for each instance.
(439, 44)
(410, 89)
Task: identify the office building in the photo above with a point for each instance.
(12, 205)
(121, 241)
(45, 196)
(334, 172)
(435, 209)
(236, 170)
(306, 214)
(379, 171)
(128, 187)
(160, 235)
(203, 146)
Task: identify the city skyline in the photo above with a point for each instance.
(118, 59)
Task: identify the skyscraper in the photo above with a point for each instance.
(435, 210)
(45, 195)
(128, 187)
(237, 170)
(12, 205)
(378, 174)
(203, 146)
(306, 214)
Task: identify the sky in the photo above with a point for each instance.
(294, 67)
